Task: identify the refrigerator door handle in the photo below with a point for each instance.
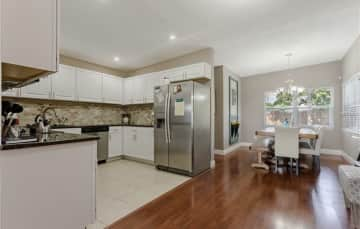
(168, 117)
(166, 121)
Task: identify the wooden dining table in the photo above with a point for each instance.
(304, 133)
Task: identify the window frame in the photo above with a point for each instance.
(354, 106)
(330, 107)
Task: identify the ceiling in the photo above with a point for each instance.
(248, 36)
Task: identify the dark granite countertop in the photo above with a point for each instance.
(52, 138)
(86, 126)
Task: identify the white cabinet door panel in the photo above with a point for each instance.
(14, 92)
(128, 91)
(29, 33)
(89, 86)
(38, 90)
(130, 141)
(196, 71)
(115, 141)
(64, 83)
(138, 90)
(112, 89)
(145, 143)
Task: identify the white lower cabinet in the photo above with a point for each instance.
(115, 141)
(139, 142)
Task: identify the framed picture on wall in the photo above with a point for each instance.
(233, 110)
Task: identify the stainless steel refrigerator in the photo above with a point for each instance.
(182, 127)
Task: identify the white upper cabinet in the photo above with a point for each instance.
(29, 33)
(138, 92)
(198, 71)
(38, 90)
(14, 92)
(128, 91)
(151, 81)
(89, 86)
(64, 83)
(112, 89)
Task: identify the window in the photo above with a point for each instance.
(299, 107)
(351, 105)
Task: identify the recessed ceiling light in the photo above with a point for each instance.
(116, 59)
(172, 37)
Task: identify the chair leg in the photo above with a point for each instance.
(276, 164)
(317, 163)
(297, 166)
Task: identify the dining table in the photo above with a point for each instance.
(306, 134)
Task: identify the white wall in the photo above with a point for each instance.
(254, 87)
(351, 66)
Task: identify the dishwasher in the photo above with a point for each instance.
(103, 144)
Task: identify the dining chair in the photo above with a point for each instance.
(307, 149)
(261, 146)
(287, 146)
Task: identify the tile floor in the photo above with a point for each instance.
(123, 186)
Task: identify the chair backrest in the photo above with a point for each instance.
(287, 142)
(319, 140)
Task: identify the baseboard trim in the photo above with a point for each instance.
(231, 148)
(212, 164)
(332, 152)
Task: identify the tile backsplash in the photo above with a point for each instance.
(69, 113)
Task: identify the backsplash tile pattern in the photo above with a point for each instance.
(70, 113)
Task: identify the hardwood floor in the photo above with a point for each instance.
(234, 195)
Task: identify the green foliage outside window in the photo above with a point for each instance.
(319, 97)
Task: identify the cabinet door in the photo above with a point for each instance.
(177, 74)
(197, 71)
(128, 91)
(151, 81)
(112, 89)
(38, 90)
(130, 141)
(145, 146)
(14, 92)
(89, 86)
(139, 90)
(64, 83)
(29, 32)
(115, 141)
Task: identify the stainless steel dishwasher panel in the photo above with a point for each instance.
(103, 146)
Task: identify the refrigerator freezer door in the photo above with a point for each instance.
(181, 126)
(161, 147)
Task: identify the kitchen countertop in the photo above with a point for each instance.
(84, 126)
(52, 138)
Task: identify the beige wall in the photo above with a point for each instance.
(90, 66)
(351, 66)
(221, 76)
(254, 87)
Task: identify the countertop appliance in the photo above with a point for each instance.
(103, 144)
(182, 127)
